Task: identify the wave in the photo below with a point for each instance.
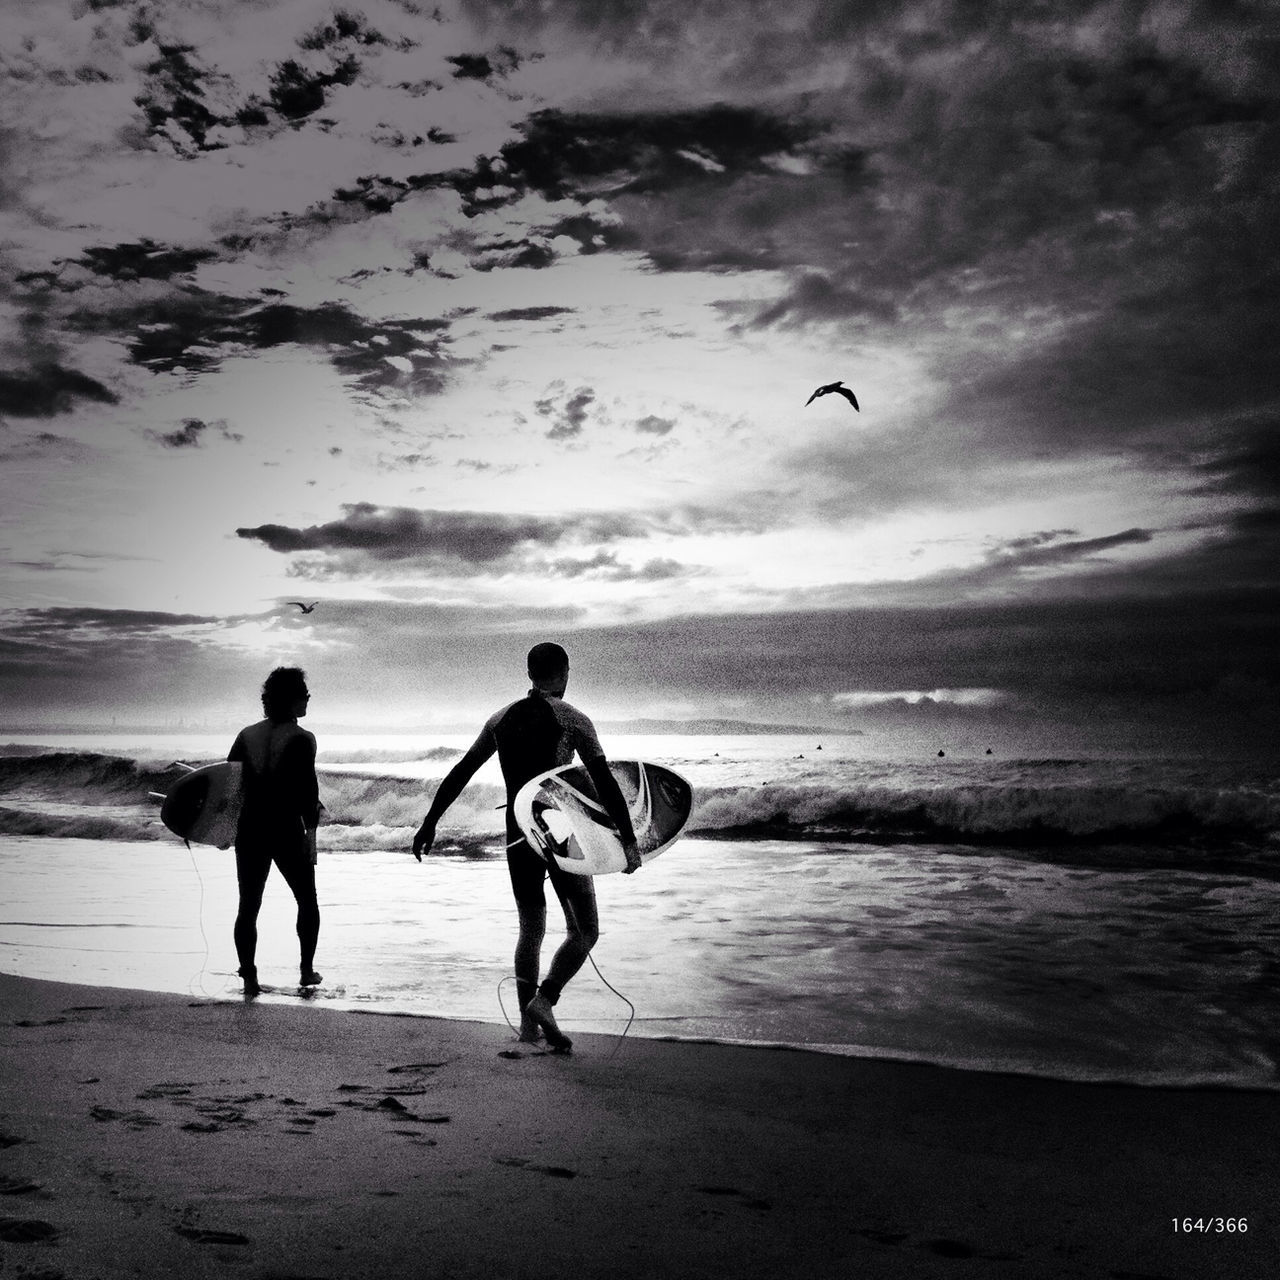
(83, 776)
(70, 793)
(386, 755)
(80, 826)
(1079, 813)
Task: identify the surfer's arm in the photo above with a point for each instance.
(450, 788)
(309, 784)
(610, 795)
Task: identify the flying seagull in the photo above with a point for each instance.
(838, 387)
(306, 608)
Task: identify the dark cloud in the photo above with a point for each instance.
(527, 252)
(497, 64)
(568, 415)
(193, 330)
(1045, 549)
(298, 91)
(48, 390)
(191, 432)
(144, 260)
(43, 444)
(563, 154)
(653, 425)
(173, 100)
(815, 298)
(458, 539)
(1244, 459)
(529, 313)
(606, 566)
(345, 30)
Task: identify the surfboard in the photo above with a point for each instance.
(559, 815)
(204, 806)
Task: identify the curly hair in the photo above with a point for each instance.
(281, 689)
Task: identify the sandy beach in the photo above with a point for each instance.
(152, 1134)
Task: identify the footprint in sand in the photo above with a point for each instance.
(11, 1186)
(551, 1170)
(747, 1201)
(27, 1231)
(199, 1235)
(130, 1119)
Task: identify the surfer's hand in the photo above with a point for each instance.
(425, 838)
(632, 855)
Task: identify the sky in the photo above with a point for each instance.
(490, 323)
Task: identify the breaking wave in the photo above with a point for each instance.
(105, 797)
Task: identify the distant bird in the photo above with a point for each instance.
(306, 608)
(839, 388)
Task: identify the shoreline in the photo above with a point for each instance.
(155, 1133)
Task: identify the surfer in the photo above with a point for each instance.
(278, 819)
(539, 732)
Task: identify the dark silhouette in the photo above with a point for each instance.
(839, 388)
(278, 819)
(539, 732)
(306, 608)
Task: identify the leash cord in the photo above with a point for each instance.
(204, 937)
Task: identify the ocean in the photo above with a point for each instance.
(1097, 916)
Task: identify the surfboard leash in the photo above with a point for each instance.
(204, 937)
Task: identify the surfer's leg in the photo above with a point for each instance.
(300, 875)
(577, 896)
(252, 865)
(527, 871)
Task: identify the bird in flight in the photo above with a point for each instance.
(306, 608)
(837, 387)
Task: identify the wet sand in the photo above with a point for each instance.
(151, 1134)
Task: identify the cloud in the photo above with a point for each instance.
(815, 297)
(565, 153)
(606, 566)
(457, 541)
(529, 313)
(569, 416)
(191, 432)
(193, 331)
(48, 390)
(653, 425)
(44, 444)
(143, 260)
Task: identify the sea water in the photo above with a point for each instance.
(1092, 917)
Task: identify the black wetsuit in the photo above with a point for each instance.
(537, 733)
(281, 805)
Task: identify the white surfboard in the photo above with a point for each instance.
(204, 806)
(559, 815)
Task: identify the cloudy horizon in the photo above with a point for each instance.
(492, 323)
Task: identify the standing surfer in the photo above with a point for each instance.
(539, 732)
(278, 819)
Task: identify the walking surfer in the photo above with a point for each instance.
(539, 732)
(278, 819)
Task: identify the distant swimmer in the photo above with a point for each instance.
(839, 388)
(306, 608)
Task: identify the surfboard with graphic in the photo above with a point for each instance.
(559, 815)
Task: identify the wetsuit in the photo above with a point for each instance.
(537, 733)
(281, 806)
